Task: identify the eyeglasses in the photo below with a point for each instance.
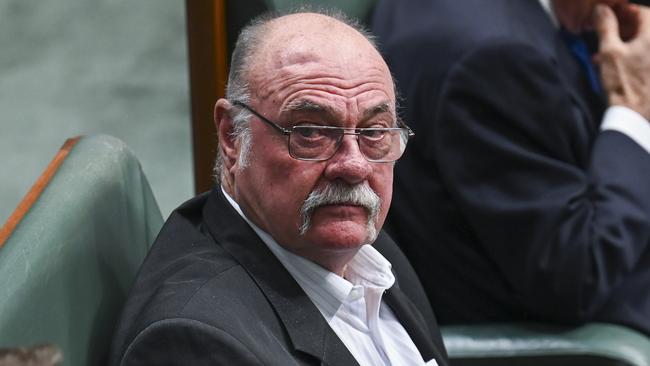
(320, 143)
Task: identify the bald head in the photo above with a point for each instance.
(308, 40)
(304, 36)
(267, 36)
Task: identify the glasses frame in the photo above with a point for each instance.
(345, 131)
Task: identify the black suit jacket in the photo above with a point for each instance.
(510, 202)
(211, 293)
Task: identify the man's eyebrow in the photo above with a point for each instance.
(378, 109)
(304, 105)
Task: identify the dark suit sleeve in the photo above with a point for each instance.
(562, 208)
(186, 342)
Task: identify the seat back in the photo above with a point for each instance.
(66, 267)
(511, 344)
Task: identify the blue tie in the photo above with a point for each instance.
(579, 49)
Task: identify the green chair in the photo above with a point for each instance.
(67, 265)
(594, 344)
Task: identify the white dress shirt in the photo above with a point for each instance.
(617, 117)
(352, 306)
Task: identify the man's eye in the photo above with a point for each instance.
(374, 134)
(307, 132)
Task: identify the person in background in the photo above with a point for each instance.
(525, 194)
(284, 262)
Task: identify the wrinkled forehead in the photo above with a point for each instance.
(312, 43)
(313, 32)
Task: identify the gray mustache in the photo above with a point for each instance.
(340, 193)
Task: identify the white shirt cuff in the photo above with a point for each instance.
(628, 122)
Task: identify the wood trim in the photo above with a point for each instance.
(35, 192)
(208, 68)
(221, 41)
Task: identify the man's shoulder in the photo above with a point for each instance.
(188, 275)
(186, 260)
(205, 288)
(198, 306)
(443, 32)
(451, 22)
(183, 257)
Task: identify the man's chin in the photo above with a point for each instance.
(340, 234)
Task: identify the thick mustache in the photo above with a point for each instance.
(340, 193)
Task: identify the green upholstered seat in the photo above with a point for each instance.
(67, 267)
(593, 344)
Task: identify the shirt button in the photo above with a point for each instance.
(356, 293)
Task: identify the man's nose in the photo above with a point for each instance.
(348, 163)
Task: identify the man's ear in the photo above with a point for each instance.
(223, 122)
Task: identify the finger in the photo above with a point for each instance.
(606, 26)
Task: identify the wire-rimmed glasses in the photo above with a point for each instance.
(320, 143)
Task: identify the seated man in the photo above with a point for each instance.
(273, 266)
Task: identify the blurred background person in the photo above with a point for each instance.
(525, 194)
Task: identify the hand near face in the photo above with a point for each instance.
(624, 55)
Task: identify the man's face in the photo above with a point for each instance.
(576, 15)
(321, 75)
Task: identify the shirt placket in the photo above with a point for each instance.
(373, 296)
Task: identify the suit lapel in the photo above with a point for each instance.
(410, 318)
(534, 25)
(546, 37)
(307, 329)
(576, 82)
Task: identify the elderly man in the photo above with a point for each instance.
(273, 266)
(526, 192)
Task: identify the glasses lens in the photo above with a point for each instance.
(381, 145)
(321, 143)
(313, 142)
